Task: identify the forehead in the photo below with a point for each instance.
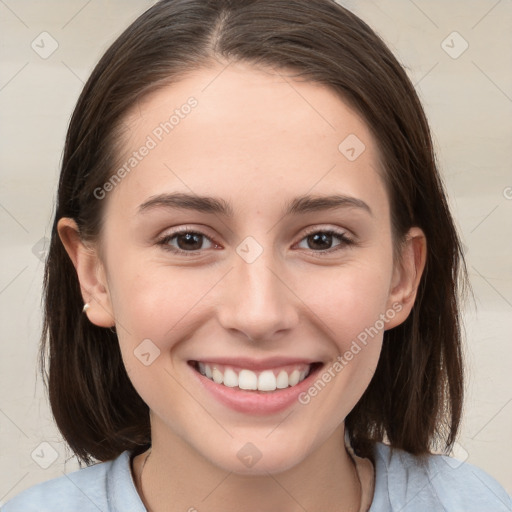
(239, 127)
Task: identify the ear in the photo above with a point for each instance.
(90, 271)
(406, 275)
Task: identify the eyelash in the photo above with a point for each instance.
(345, 241)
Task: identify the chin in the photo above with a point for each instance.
(256, 458)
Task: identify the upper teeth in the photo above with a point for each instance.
(267, 380)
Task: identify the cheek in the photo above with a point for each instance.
(350, 306)
(350, 311)
(155, 301)
(155, 309)
(347, 300)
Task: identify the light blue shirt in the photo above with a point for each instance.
(401, 484)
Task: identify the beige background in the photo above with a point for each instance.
(469, 103)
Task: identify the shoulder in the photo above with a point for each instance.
(404, 483)
(104, 486)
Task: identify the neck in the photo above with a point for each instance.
(177, 478)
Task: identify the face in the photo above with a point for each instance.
(276, 268)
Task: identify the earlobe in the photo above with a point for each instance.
(91, 274)
(407, 274)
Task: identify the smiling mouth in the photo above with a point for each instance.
(268, 380)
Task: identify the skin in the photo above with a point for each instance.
(256, 139)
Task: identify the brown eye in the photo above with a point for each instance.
(189, 241)
(322, 241)
(185, 241)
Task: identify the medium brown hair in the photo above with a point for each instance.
(414, 400)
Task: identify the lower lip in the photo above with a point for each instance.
(255, 402)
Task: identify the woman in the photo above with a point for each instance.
(249, 207)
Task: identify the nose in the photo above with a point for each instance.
(257, 300)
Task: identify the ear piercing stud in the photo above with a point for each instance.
(86, 307)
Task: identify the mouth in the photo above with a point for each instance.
(269, 380)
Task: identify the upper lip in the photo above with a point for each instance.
(257, 364)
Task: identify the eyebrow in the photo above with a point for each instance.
(208, 204)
